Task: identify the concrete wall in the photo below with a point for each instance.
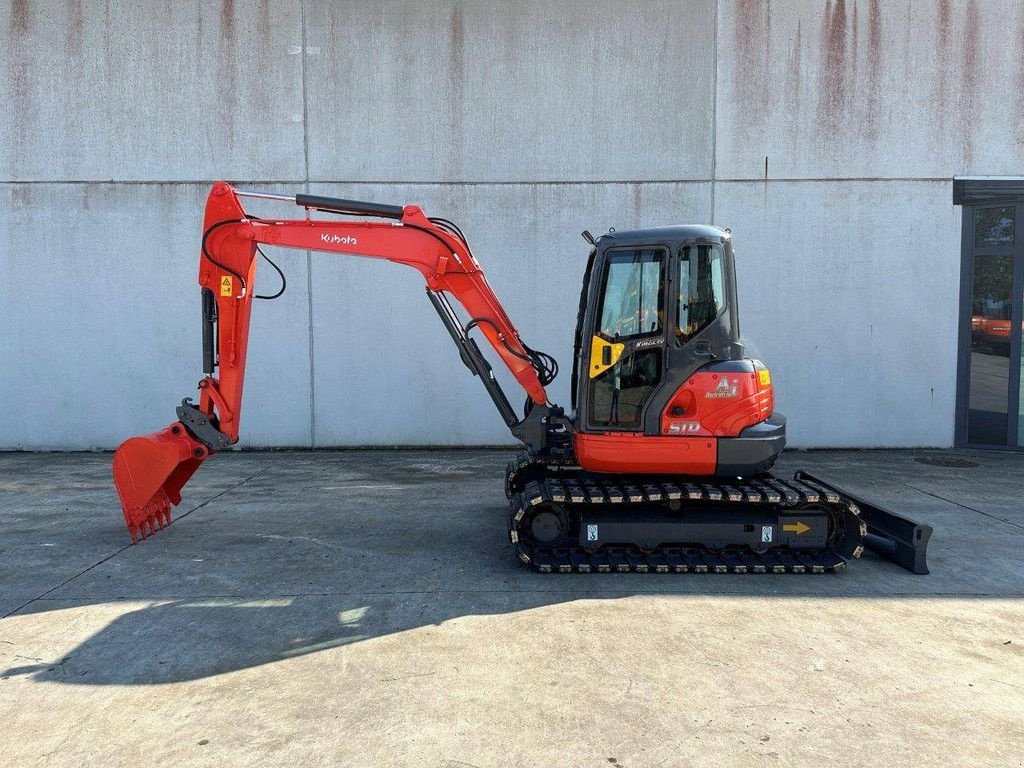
(824, 132)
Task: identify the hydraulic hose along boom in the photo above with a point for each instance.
(664, 463)
(151, 470)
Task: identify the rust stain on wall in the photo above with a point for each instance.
(835, 79)
(942, 35)
(458, 47)
(1020, 76)
(108, 59)
(845, 67)
(743, 43)
(854, 49)
(226, 62)
(18, 57)
(21, 197)
(945, 60)
(264, 65)
(20, 15)
(833, 97)
(227, 18)
(832, 67)
(875, 64)
(263, 21)
(457, 75)
(752, 50)
(826, 21)
(968, 106)
(76, 28)
(794, 67)
(766, 56)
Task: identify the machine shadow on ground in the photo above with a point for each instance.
(260, 575)
(187, 639)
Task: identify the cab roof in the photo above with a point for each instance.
(677, 233)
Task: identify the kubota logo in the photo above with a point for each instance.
(332, 239)
(724, 389)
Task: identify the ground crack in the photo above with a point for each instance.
(962, 506)
(117, 552)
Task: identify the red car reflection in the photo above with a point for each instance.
(992, 332)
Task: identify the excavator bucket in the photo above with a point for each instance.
(150, 471)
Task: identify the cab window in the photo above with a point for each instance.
(701, 288)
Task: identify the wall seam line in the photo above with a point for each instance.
(309, 254)
(464, 183)
(714, 118)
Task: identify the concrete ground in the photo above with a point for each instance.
(363, 608)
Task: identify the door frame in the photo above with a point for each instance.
(600, 271)
(984, 192)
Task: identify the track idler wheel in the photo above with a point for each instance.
(550, 527)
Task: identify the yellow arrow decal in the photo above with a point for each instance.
(798, 527)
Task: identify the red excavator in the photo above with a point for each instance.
(664, 463)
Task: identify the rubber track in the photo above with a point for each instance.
(531, 485)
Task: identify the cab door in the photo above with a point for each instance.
(625, 339)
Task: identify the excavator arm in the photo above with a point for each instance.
(151, 470)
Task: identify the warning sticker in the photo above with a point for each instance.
(591, 533)
(766, 534)
(226, 285)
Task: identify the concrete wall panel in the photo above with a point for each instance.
(850, 292)
(386, 371)
(876, 88)
(99, 308)
(525, 122)
(151, 90)
(510, 91)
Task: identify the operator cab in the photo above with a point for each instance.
(658, 306)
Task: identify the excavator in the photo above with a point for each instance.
(662, 465)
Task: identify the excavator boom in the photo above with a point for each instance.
(150, 470)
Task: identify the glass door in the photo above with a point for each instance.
(626, 350)
(991, 412)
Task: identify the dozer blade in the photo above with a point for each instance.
(889, 535)
(150, 471)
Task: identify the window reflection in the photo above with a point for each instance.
(991, 309)
(618, 395)
(994, 226)
(1020, 405)
(1020, 410)
(701, 288)
(631, 303)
